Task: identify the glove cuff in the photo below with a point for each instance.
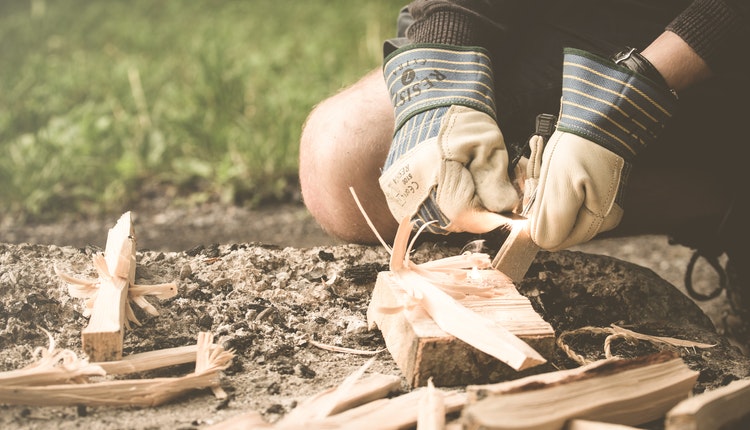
(612, 105)
(422, 77)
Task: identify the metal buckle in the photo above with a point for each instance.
(622, 56)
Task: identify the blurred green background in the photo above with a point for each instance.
(104, 101)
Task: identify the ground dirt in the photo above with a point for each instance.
(269, 282)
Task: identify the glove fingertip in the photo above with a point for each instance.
(546, 238)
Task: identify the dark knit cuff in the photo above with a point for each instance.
(713, 30)
(449, 27)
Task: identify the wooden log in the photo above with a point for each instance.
(517, 252)
(59, 366)
(331, 402)
(210, 360)
(422, 349)
(311, 413)
(102, 338)
(618, 391)
(596, 425)
(150, 360)
(472, 328)
(716, 409)
(134, 392)
(399, 412)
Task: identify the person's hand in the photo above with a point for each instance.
(448, 161)
(608, 115)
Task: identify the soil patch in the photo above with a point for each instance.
(268, 282)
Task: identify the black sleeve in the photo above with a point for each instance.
(465, 22)
(717, 30)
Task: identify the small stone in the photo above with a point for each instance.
(185, 272)
(304, 371)
(326, 256)
(355, 326)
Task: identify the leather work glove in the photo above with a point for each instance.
(608, 115)
(448, 161)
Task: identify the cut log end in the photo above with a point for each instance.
(517, 253)
(422, 349)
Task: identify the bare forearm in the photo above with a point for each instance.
(676, 61)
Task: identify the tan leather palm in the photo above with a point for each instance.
(467, 162)
(576, 195)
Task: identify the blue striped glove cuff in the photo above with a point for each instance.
(422, 77)
(611, 105)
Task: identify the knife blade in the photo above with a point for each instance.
(518, 251)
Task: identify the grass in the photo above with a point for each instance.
(103, 100)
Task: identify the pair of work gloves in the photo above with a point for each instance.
(448, 164)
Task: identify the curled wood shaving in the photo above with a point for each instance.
(369, 222)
